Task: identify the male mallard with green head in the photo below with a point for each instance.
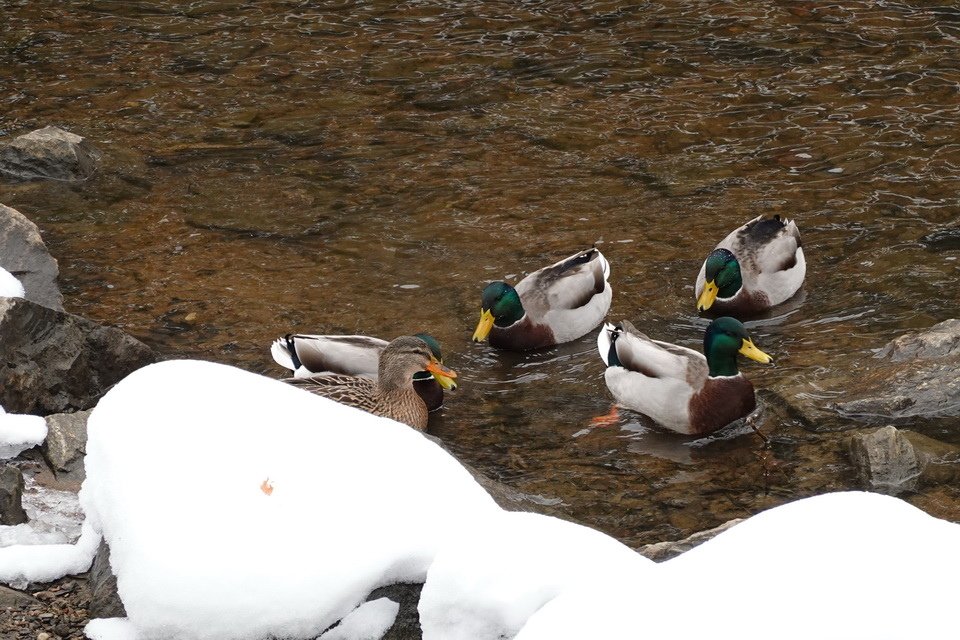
(677, 387)
(392, 394)
(308, 355)
(755, 267)
(555, 304)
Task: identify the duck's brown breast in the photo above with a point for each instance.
(722, 400)
(522, 336)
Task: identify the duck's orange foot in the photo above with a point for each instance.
(606, 420)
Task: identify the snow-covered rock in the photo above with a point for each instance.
(23, 252)
(307, 506)
(856, 566)
(19, 432)
(485, 584)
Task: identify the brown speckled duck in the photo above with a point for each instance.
(677, 387)
(392, 394)
(308, 355)
(757, 266)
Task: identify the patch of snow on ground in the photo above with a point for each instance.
(300, 508)
(110, 629)
(54, 517)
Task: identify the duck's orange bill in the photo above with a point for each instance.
(442, 374)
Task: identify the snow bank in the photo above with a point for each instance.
(485, 584)
(21, 565)
(10, 287)
(19, 432)
(857, 566)
(293, 510)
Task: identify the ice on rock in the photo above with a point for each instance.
(19, 432)
(10, 286)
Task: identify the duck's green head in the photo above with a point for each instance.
(499, 305)
(434, 345)
(722, 275)
(723, 340)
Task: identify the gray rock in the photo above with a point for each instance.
(11, 495)
(407, 624)
(23, 253)
(916, 376)
(939, 341)
(660, 551)
(104, 600)
(885, 461)
(65, 444)
(48, 153)
(892, 461)
(13, 598)
(58, 362)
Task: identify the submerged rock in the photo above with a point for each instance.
(23, 253)
(660, 551)
(11, 496)
(917, 376)
(48, 153)
(58, 362)
(892, 461)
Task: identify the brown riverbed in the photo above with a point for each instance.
(368, 167)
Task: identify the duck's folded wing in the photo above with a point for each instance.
(569, 284)
(656, 359)
(350, 355)
(350, 390)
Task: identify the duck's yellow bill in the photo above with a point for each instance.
(484, 326)
(710, 291)
(443, 375)
(750, 350)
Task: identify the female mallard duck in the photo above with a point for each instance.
(678, 387)
(392, 394)
(556, 304)
(309, 355)
(757, 266)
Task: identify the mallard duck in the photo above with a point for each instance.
(677, 387)
(392, 394)
(757, 266)
(556, 304)
(309, 355)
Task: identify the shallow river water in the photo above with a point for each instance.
(368, 166)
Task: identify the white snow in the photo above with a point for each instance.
(485, 584)
(10, 287)
(21, 565)
(110, 629)
(370, 621)
(853, 565)
(296, 508)
(19, 432)
(291, 508)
